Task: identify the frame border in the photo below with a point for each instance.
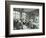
(7, 3)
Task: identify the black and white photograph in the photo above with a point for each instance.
(24, 18)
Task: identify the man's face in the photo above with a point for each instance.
(31, 20)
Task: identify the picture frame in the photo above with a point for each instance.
(32, 9)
